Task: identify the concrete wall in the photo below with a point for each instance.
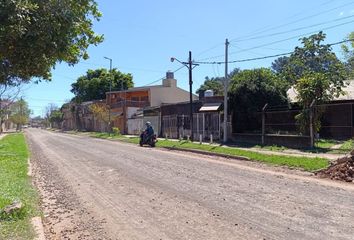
(135, 126)
(159, 95)
(273, 139)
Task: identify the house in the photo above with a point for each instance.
(175, 118)
(337, 120)
(80, 117)
(6, 124)
(125, 105)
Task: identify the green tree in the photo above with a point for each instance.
(56, 117)
(249, 91)
(279, 64)
(35, 35)
(318, 75)
(216, 84)
(314, 87)
(314, 57)
(348, 50)
(19, 113)
(95, 84)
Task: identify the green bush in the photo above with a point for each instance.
(116, 131)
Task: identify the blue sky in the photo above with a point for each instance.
(142, 36)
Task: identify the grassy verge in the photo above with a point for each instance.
(16, 185)
(305, 163)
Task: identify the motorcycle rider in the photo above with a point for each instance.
(149, 131)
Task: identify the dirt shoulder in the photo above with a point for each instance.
(123, 191)
(65, 217)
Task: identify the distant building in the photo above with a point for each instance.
(125, 105)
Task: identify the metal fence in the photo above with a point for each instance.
(207, 125)
(204, 124)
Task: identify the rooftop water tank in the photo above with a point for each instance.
(208, 93)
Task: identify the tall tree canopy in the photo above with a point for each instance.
(314, 57)
(19, 113)
(317, 74)
(95, 84)
(279, 64)
(348, 50)
(250, 90)
(35, 35)
(216, 84)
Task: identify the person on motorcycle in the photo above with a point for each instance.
(149, 131)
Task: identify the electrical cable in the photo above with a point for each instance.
(293, 30)
(158, 80)
(296, 21)
(265, 57)
(282, 40)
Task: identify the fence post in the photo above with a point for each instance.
(219, 126)
(200, 138)
(197, 114)
(263, 123)
(211, 138)
(203, 125)
(182, 125)
(312, 143)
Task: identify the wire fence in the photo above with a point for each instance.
(336, 121)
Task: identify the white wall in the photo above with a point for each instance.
(159, 95)
(135, 126)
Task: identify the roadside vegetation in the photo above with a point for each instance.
(15, 185)
(305, 163)
(329, 146)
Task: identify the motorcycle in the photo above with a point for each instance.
(147, 140)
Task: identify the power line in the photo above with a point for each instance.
(158, 80)
(282, 40)
(276, 27)
(296, 21)
(270, 56)
(293, 30)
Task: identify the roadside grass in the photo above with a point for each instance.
(326, 143)
(105, 135)
(305, 163)
(16, 185)
(321, 146)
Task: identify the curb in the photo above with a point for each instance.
(36, 222)
(208, 153)
(38, 228)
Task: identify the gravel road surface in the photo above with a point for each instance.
(99, 189)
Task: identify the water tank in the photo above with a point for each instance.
(209, 93)
(169, 75)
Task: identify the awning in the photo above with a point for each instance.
(210, 107)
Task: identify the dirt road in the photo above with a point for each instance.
(98, 189)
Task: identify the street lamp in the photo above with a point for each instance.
(110, 89)
(190, 65)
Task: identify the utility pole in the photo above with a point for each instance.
(110, 90)
(190, 68)
(190, 65)
(226, 84)
(21, 114)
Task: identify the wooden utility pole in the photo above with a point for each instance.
(226, 83)
(190, 68)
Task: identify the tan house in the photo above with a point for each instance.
(125, 104)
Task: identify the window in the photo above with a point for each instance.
(144, 99)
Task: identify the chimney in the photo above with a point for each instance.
(170, 81)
